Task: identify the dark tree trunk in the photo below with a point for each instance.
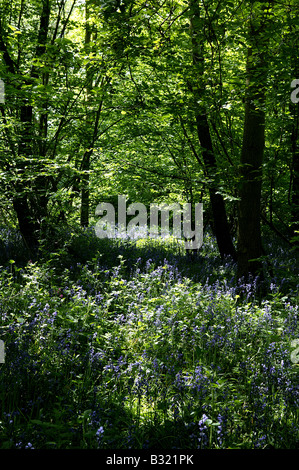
(29, 199)
(221, 227)
(29, 226)
(249, 227)
(90, 34)
(295, 174)
(85, 190)
(295, 195)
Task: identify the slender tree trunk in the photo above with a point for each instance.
(295, 176)
(29, 226)
(294, 111)
(221, 226)
(29, 199)
(85, 192)
(85, 165)
(92, 120)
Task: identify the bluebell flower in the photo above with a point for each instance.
(203, 438)
(29, 446)
(100, 431)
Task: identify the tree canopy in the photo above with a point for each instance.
(177, 101)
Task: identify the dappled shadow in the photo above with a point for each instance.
(72, 248)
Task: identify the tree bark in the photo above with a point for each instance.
(294, 111)
(28, 224)
(221, 226)
(295, 177)
(85, 165)
(29, 200)
(249, 226)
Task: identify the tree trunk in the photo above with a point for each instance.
(90, 34)
(221, 227)
(28, 225)
(85, 190)
(92, 119)
(29, 199)
(294, 111)
(249, 227)
(295, 177)
(29, 228)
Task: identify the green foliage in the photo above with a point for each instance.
(118, 343)
(102, 356)
(126, 96)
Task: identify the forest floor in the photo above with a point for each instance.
(115, 344)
